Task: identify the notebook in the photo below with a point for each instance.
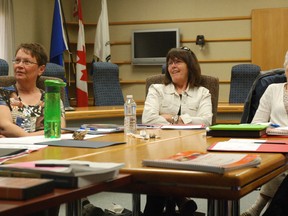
(206, 162)
(10, 151)
(237, 130)
(238, 127)
(278, 131)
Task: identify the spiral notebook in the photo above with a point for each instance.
(278, 131)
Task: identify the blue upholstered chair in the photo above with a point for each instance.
(242, 78)
(4, 67)
(163, 68)
(106, 85)
(10, 80)
(55, 70)
(262, 81)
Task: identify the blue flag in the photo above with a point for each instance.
(58, 38)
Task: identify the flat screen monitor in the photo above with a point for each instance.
(150, 47)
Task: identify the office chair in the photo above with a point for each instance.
(209, 82)
(10, 80)
(262, 81)
(164, 68)
(4, 68)
(242, 78)
(106, 85)
(55, 70)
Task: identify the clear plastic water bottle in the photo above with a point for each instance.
(26, 124)
(130, 119)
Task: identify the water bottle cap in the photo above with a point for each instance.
(129, 96)
(56, 83)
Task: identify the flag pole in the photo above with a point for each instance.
(68, 41)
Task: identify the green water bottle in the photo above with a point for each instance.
(52, 109)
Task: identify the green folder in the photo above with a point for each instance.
(238, 127)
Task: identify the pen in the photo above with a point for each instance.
(144, 125)
(88, 128)
(274, 125)
(57, 165)
(281, 143)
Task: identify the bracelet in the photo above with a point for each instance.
(175, 119)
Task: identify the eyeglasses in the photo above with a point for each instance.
(188, 50)
(185, 48)
(175, 62)
(24, 61)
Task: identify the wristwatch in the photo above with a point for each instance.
(175, 119)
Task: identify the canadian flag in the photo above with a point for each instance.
(81, 71)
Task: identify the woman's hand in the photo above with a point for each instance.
(1, 136)
(168, 118)
(180, 121)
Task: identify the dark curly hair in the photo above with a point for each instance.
(35, 50)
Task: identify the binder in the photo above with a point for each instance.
(237, 130)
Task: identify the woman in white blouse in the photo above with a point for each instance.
(179, 100)
(273, 107)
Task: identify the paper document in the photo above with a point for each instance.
(236, 146)
(182, 127)
(30, 140)
(252, 145)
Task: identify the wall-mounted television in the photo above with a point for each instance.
(150, 47)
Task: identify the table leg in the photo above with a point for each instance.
(74, 208)
(136, 204)
(223, 207)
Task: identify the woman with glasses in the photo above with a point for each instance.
(179, 100)
(22, 104)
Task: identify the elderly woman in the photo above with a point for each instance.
(22, 105)
(179, 100)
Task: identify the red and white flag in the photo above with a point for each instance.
(81, 71)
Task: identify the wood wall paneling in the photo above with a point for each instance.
(269, 37)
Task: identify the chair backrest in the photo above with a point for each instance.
(10, 80)
(209, 82)
(163, 69)
(259, 86)
(54, 70)
(106, 85)
(4, 68)
(242, 78)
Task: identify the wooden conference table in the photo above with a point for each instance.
(59, 196)
(227, 113)
(220, 190)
